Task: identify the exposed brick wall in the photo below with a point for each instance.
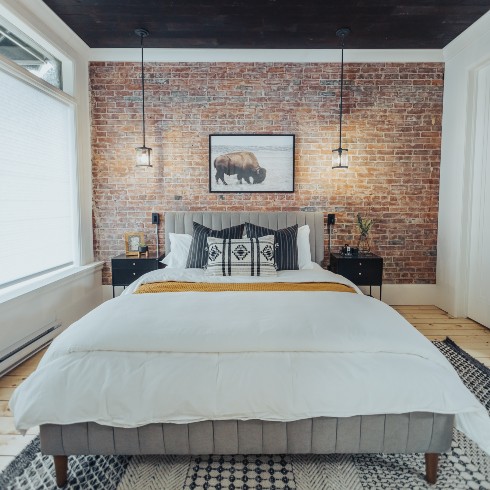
(392, 128)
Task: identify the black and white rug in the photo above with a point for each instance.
(465, 467)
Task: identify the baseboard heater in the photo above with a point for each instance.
(17, 353)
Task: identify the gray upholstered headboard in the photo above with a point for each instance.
(181, 222)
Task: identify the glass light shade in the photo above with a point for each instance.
(340, 158)
(143, 156)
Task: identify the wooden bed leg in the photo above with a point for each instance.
(61, 470)
(431, 462)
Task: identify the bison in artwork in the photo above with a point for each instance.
(242, 163)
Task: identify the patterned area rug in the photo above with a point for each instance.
(465, 467)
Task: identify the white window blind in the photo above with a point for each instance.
(36, 191)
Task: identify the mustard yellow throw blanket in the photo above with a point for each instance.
(208, 287)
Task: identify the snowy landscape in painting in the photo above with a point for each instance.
(274, 153)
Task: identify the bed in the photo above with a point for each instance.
(304, 371)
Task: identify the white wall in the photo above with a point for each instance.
(463, 57)
(213, 55)
(67, 297)
(63, 301)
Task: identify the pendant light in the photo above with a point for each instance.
(340, 157)
(143, 152)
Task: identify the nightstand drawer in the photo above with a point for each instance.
(124, 277)
(361, 271)
(135, 264)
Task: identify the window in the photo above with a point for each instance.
(37, 151)
(19, 48)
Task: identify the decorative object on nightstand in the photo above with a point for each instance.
(126, 269)
(364, 269)
(364, 244)
(143, 250)
(132, 241)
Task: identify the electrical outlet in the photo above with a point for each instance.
(331, 219)
(155, 219)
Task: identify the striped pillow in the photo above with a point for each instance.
(241, 257)
(286, 243)
(198, 253)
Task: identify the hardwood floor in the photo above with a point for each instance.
(434, 323)
(11, 442)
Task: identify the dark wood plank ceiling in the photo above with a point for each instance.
(375, 24)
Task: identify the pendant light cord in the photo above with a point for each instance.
(143, 90)
(341, 92)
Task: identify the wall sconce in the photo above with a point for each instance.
(340, 156)
(143, 153)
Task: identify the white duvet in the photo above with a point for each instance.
(282, 356)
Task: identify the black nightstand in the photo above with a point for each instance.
(126, 269)
(362, 269)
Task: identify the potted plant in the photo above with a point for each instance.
(142, 248)
(364, 225)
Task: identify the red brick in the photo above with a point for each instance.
(392, 127)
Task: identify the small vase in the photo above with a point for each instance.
(364, 244)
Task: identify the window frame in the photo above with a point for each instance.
(8, 27)
(13, 69)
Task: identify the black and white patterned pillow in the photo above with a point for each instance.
(286, 242)
(241, 257)
(198, 252)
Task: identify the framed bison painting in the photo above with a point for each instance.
(251, 163)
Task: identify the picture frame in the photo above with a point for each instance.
(132, 241)
(255, 163)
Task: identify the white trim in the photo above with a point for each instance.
(49, 281)
(31, 348)
(468, 37)
(21, 356)
(28, 22)
(406, 294)
(267, 55)
(42, 25)
(22, 74)
(468, 184)
(84, 165)
(59, 35)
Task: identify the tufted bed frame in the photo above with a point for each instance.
(415, 432)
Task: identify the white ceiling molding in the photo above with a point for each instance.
(471, 35)
(184, 55)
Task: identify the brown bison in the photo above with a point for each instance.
(242, 163)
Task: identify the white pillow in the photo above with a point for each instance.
(304, 252)
(180, 243)
(241, 256)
